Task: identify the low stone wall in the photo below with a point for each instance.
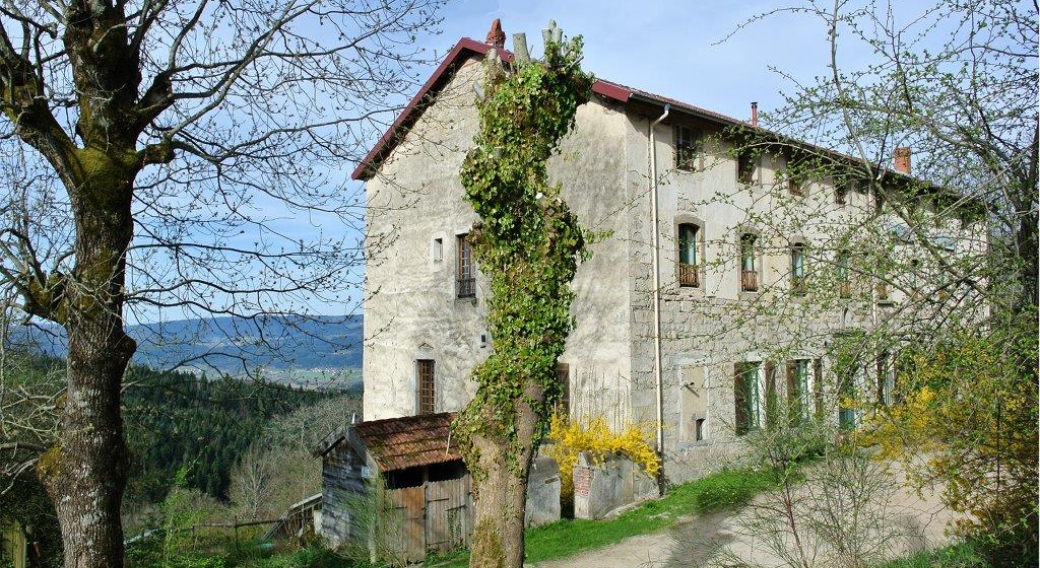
(543, 493)
(602, 488)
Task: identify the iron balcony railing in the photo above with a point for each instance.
(466, 287)
(689, 275)
(749, 280)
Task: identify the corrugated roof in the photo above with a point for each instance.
(411, 441)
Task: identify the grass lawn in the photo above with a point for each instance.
(961, 555)
(723, 490)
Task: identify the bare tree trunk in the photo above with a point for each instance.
(498, 536)
(86, 471)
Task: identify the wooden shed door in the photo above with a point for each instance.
(409, 510)
(448, 514)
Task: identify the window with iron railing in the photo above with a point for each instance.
(689, 253)
(844, 283)
(798, 269)
(465, 280)
(748, 263)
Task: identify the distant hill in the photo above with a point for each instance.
(289, 348)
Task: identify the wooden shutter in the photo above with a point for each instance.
(793, 396)
(771, 402)
(563, 376)
(427, 387)
(818, 386)
(740, 415)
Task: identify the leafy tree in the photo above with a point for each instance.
(528, 243)
(146, 142)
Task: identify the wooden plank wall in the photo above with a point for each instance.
(436, 516)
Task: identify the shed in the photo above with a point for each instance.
(396, 486)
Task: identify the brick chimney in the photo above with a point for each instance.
(496, 37)
(754, 113)
(901, 157)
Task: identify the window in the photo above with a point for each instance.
(882, 292)
(747, 397)
(563, 377)
(437, 251)
(846, 393)
(466, 283)
(798, 269)
(748, 263)
(699, 427)
(841, 193)
(746, 167)
(795, 187)
(689, 245)
(687, 146)
(427, 390)
(885, 380)
(844, 282)
(798, 389)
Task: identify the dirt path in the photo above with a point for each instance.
(919, 523)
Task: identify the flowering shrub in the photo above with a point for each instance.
(571, 438)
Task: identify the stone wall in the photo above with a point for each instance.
(416, 208)
(600, 488)
(543, 493)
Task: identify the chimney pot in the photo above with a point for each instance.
(496, 37)
(754, 113)
(901, 157)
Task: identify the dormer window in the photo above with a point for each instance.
(687, 147)
(689, 255)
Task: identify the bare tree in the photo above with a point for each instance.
(251, 483)
(165, 138)
(939, 260)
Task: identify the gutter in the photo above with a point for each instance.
(656, 262)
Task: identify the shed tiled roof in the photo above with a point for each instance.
(399, 443)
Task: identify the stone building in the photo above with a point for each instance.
(722, 267)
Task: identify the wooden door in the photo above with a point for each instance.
(409, 510)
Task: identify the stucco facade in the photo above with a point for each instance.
(416, 212)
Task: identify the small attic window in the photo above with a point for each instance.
(687, 147)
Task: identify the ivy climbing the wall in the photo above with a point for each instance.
(528, 243)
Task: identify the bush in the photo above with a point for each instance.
(571, 438)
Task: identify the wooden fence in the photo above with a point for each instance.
(435, 516)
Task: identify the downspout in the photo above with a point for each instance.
(656, 264)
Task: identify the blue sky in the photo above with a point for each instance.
(669, 48)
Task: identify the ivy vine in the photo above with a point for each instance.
(527, 240)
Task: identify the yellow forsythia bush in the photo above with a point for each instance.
(571, 438)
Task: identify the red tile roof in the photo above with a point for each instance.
(467, 47)
(464, 49)
(399, 443)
